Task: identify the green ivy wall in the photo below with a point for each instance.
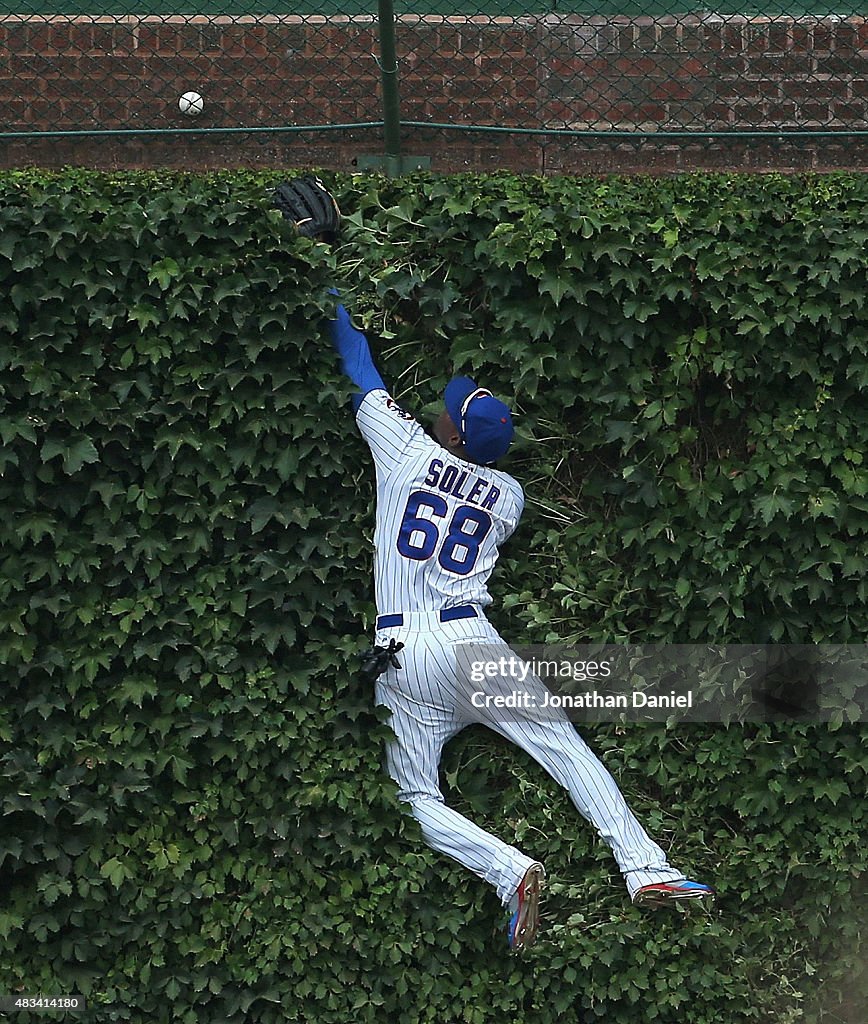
(195, 823)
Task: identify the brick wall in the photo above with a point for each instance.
(562, 72)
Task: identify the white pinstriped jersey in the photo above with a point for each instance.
(440, 519)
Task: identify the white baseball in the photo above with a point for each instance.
(191, 103)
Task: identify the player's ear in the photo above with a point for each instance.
(453, 437)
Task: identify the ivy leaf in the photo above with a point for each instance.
(164, 272)
(770, 505)
(75, 453)
(79, 454)
(19, 427)
(555, 285)
(144, 315)
(114, 871)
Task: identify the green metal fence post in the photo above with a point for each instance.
(392, 162)
(389, 74)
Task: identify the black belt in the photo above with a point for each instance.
(461, 611)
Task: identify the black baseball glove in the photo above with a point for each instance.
(309, 206)
(378, 659)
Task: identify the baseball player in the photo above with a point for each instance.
(443, 509)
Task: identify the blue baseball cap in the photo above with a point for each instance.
(483, 421)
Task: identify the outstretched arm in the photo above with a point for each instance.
(383, 424)
(356, 361)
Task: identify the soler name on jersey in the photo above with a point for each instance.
(462, 484)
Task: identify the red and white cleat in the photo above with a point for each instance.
(525, 909)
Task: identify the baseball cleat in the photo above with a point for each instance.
(525, 909)
(661, 894)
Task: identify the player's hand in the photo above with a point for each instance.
(309, 206)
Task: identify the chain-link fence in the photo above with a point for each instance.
(580, 66)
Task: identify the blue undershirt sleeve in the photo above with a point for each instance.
(356, 362)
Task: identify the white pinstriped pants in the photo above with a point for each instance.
(429, 708)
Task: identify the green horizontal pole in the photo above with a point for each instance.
(498, 129)
(101, 132)
(491, 129)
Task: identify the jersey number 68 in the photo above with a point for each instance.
(458, 537)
